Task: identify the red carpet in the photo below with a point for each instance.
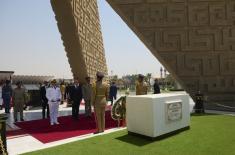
(41, 129)
(15, 133)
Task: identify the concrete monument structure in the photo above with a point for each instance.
(158, 114)
(79, 25)
(193, 39)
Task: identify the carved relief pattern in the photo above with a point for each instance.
(193, 39)
(89, 31)
(79, 25)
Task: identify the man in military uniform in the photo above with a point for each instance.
(141, 86)
(199, 105)
(53, 95)
(18, 100)
(99, 101)
(87, 93)
(6, 95)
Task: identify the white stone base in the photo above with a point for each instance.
(157, 114)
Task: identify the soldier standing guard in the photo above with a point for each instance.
(99, 101)
(141, 86)
(53, 95)
(6, 95)
(199, 105)
(18, 100)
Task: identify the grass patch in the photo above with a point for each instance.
(208, 135)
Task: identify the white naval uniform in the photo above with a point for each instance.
(53, 95)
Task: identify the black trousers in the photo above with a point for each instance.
(111, 99)
(199, 107)
(75, 109)
(45, 109)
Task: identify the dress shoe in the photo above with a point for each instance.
(96, 132)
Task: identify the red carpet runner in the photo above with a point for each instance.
(41, 129)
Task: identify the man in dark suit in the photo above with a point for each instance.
(113, 92)
(156, 87)
(76, 97)
(45, 105)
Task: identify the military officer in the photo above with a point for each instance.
(53, 95)
(99, 101)
(87, 93)
(141, 86)
(199, 106)
(18, 99)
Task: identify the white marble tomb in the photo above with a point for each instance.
(157, 114)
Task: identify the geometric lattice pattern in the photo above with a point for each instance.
(193, 39)
(79, 25)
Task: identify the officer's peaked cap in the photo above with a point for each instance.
(53, 81)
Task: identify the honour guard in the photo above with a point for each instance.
(141, 86)
(6, 95)
(99, 101)
(53, 95)
(199, 105)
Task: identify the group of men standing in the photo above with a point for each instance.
(96, 95)
(15, 96)
(142, 88)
